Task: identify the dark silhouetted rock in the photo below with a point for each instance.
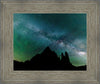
(47, 60)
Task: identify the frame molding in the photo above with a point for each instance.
(92, 11)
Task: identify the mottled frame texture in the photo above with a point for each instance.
(70, 77)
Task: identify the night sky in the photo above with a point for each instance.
(61, 32)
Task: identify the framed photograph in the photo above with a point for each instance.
(49, 42)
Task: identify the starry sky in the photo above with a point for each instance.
(61, 32)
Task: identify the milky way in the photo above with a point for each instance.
(61, 32)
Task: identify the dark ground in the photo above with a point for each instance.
(47, 60)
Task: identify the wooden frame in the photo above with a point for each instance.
(89, 76)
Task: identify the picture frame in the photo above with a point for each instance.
(8, 75)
